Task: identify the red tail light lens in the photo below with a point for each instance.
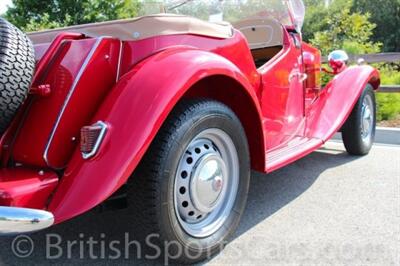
(91, 138)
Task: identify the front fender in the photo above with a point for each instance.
(134, 111)
(338, 99)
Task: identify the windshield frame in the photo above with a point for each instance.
(295, 11)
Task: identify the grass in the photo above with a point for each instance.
(389, 75)
(388, 104)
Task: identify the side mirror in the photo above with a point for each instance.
(338, 61)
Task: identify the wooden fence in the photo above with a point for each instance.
(389, 88)
(373, 58)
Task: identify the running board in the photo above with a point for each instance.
(295, 149)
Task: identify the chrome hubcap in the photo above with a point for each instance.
(367, 122)
(206, 183)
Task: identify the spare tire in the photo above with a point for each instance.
(17, 63)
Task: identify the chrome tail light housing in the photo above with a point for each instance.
(91, 139)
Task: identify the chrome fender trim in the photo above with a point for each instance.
(15, 220)
(88, 58)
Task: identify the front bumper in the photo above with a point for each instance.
(15, 220)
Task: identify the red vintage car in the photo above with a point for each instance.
(176, 108)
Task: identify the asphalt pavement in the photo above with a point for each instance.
(326, 209)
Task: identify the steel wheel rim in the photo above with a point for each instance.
(367, 118)
(206, 183)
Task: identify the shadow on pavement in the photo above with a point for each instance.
(267, 195)
(270, 192)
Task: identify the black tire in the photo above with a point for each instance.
(17, 63)
(151, 187)
(352, 131)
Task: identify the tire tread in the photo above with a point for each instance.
(17, 63)
(144, 186)
(351, 132)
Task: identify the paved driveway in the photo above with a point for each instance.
(328, 208)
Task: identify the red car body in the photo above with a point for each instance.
(132, 86)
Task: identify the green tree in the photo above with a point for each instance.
(386, 15)
(316, 18)
(318, 15)
(39, 14)
(338, 27)
(349, 31)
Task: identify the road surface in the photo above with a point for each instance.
(328, 208)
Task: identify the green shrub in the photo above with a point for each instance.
(389, 75)
(388, 105)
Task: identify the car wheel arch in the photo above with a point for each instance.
(146, 102)
(230, 92)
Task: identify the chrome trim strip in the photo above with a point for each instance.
(99, 140)
(119, 61)
(21, 220)
(71, 91)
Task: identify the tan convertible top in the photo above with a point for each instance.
(141, 28)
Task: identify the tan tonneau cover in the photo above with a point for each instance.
(141, 28)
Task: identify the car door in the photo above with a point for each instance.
(312, 67)
(283, 94)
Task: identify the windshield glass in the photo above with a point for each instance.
(287, 12)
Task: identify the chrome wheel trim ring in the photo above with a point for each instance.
(206, 183)
(367, 118)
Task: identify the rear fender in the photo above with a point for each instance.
(336, 101)
(134, 111)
